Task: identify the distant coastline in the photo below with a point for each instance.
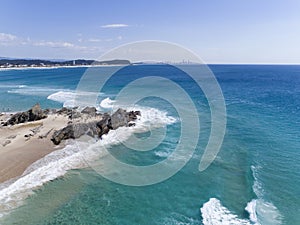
(56, 67)
(6, 64)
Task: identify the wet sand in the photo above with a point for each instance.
(23, 144)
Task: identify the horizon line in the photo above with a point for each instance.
(207, 63)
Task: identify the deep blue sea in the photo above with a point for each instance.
(255, 178)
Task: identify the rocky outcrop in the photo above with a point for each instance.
(96, 128)
(122, 118)
(33, 114)
(91, 111)
(86, 121)
(74, 131)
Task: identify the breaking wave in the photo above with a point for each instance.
(72, 98)
(214, 213)
(107, 103)
(260, 211)
(73, 156)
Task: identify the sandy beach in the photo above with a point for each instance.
(25, 143)
(28, 136)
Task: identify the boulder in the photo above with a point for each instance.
(96, 128)
(33, 114)
(91, 111)
(119, 119)
(73, 131)
(104, 125)
(122, 118)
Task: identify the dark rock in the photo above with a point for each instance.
(36, 113)
(74, 115)
(6, 143)
(46, 111)
(64, 111)
(119, 119)
(50, 111)
(104, 125)
(71, 113)
(73, 131)
(132, 115)
(89, 110)
(96, 128)
(33, 114)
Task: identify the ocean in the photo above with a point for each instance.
(254, 179)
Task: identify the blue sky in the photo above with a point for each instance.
(219, 31)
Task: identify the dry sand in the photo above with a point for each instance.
(23, 144)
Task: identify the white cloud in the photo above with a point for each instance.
(115, 25)
(67, 46)
(95, 40)
(7, 37)
(54, 44)
(9, 40)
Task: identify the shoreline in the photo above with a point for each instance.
(31, 135)
(58, 67)
(18, 149)
(34, 146)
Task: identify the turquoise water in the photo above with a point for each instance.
(257, 166)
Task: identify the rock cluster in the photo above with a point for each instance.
(33, 114)
(96, 128)
(87, 121)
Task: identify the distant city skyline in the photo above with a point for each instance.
(226, 31)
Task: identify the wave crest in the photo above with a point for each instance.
(214, 213)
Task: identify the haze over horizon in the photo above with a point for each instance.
(256, 32)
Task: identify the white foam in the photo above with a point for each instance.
(162, 154)
(107, 103)
(31, 90)
(214, 213)
(62, 96)
(260, 210)
(72, 98)
(12, 85)
(257, 187)
(74, 155)
(22, 86)
(263, 212)
(52, 166)
(251, 209)
(153, 117)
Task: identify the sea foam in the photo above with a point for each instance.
(33, 90)
(214, 213)
(72, 98)
(107, 103)
(261, 212)
(75, 155)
